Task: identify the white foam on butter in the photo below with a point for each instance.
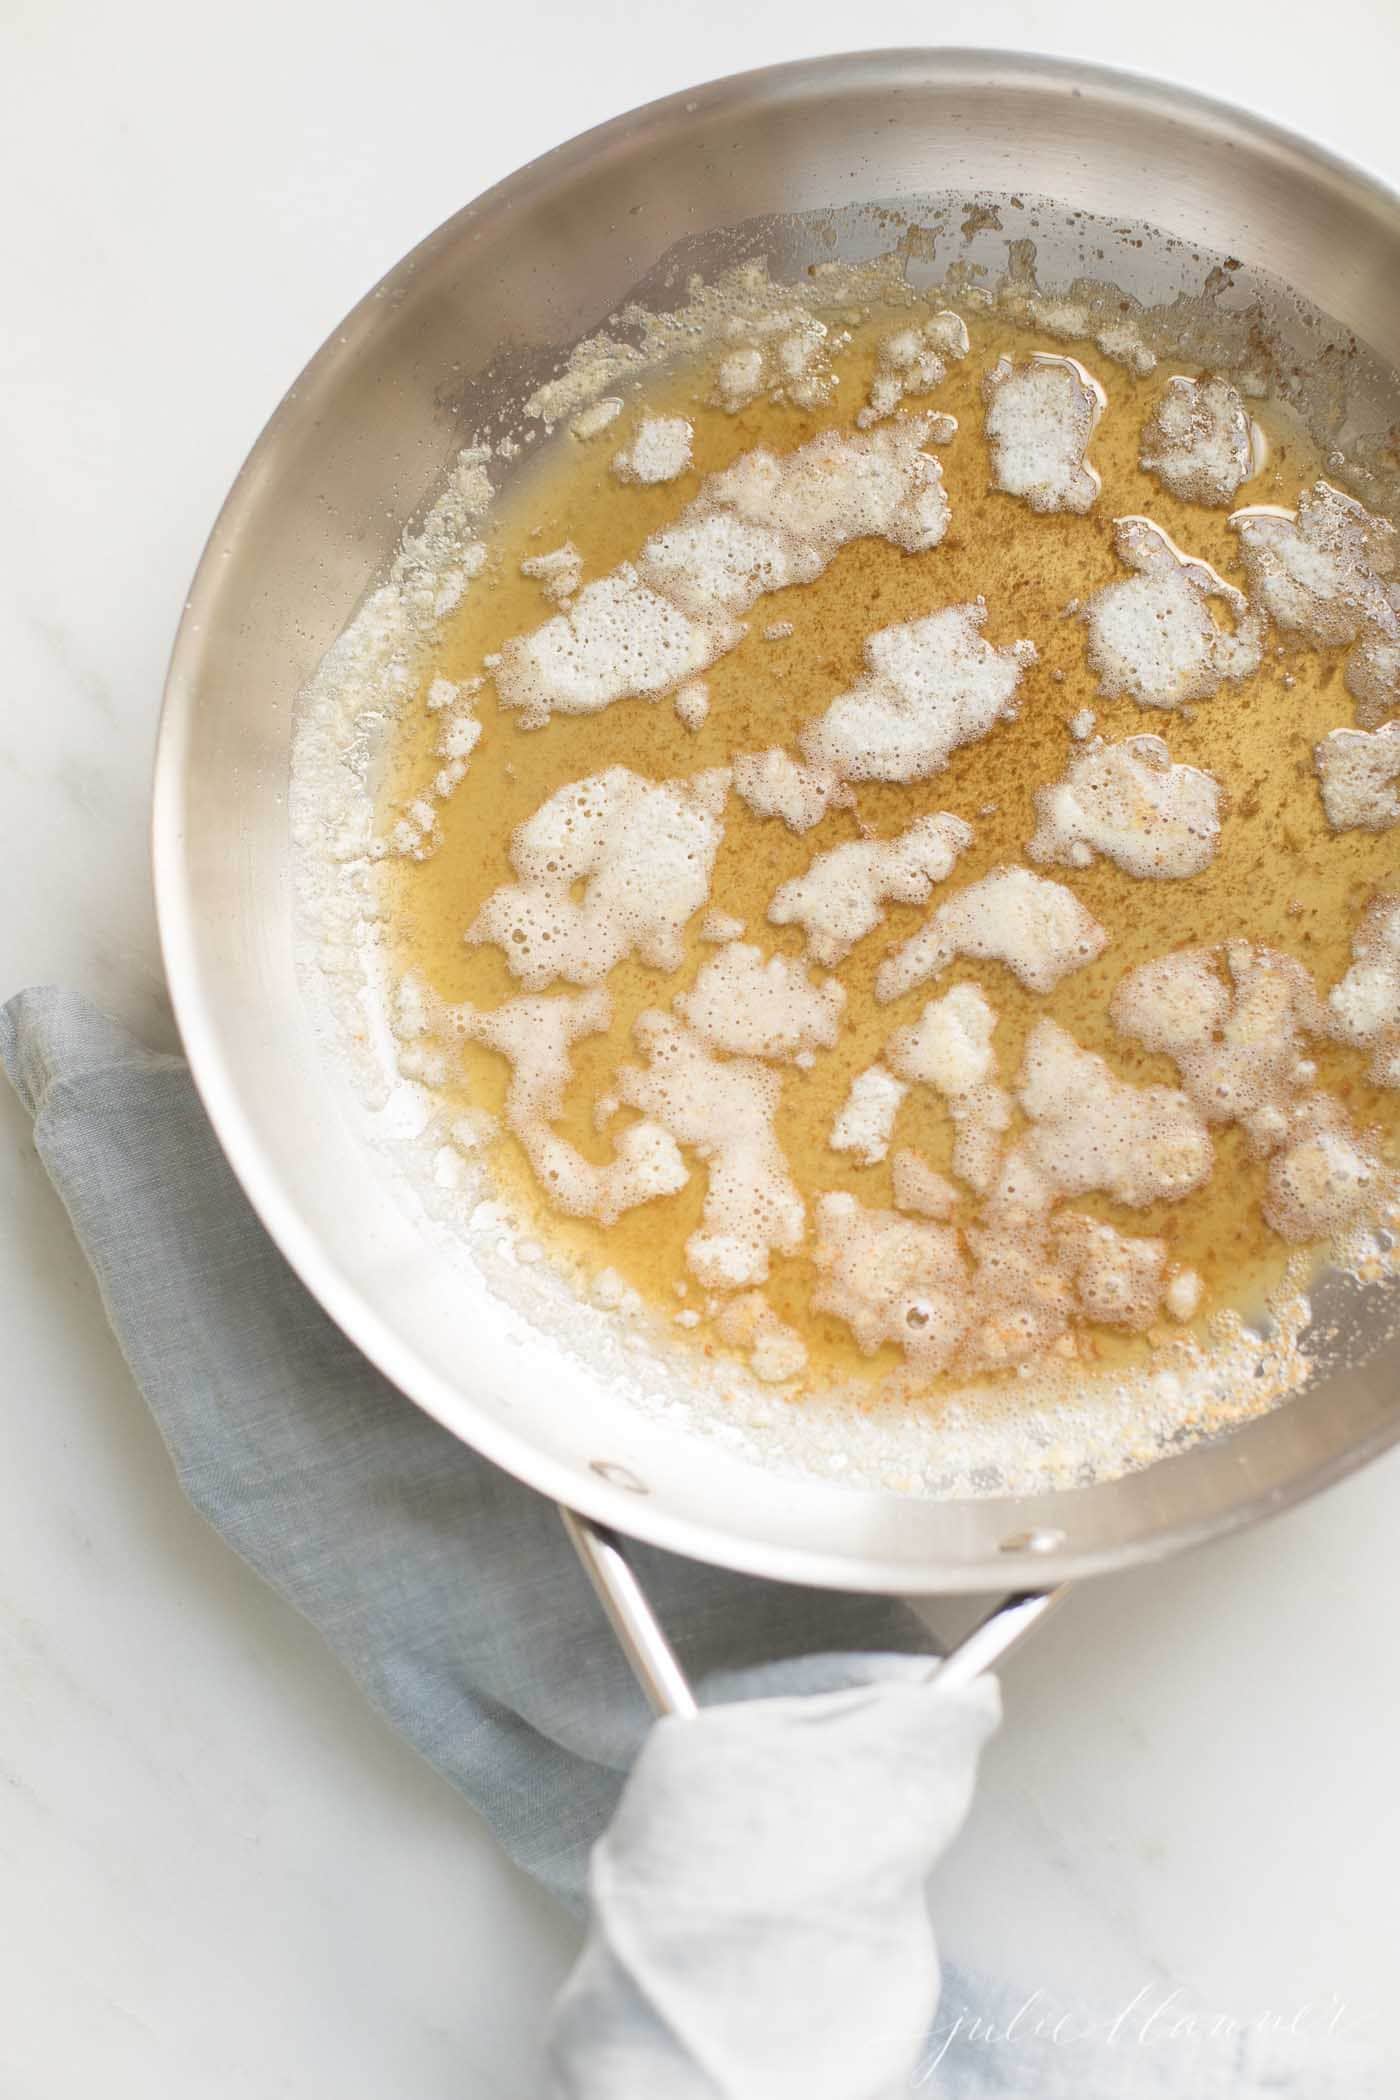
(1038, 928)
(929, 686)
(596, 417)
(950, 1049)
(1183, 1294)
(774, 784)
(460, 732)
(619, 639)
(981, 1118)
(1129, 802)
(692, 703)
(473, 1129)
(751, 1005)
(1324, 1178)
(984, 1300)
(841, 897)
(865, 1123)
(891, 1279)
(1357, 770)
(784, 354)
(1118, 338)
(721, 926)
(660, 451)
(950, 1045)
(714, 562)
(1152, 637)
(762, 524)
(1364, 1006)
(1238, 1045)
(414, 833)
(919, 1187)
(1200, 441)
(1040, 419)
(1118, 1278)
(646, 1164)
(739, 379)
(776, 1352)
(1318, 570)
(838, 488)
(1373, 672)
(644, 854)
(1326, 572)
(725, 1109)
(558, 573)
(912, 361)
(1239, 1048)
(537, 1036)
(1121, 342)
(1092, 1130)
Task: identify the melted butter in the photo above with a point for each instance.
(1281, 877)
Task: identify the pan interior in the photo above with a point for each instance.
(987, 1437)
(501, 1349)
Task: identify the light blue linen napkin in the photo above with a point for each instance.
(758, 1923)
(758, 1927)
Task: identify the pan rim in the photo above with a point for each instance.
(275, 1198)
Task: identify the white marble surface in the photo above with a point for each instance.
(219, 1873)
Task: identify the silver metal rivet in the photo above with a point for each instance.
(618, 1475)
(1042, 1540)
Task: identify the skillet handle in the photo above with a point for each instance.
(659, 1673)
(639, 1632)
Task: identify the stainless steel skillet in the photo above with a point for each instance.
(769, 160)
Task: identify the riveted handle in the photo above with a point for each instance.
(640, 1633)
(658, 1671)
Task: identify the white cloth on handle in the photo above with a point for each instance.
(759, 1925)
